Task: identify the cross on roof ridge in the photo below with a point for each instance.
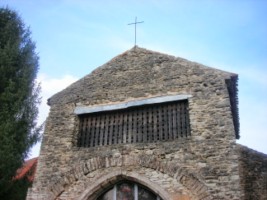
(134, 23)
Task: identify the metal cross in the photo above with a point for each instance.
(136, 22)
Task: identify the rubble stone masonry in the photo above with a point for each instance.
(202, 166)
(253, 173)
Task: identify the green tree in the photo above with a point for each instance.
(19, 96)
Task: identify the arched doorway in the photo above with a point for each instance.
(126, 190)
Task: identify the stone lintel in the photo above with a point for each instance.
(79, 110)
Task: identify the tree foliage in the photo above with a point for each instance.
(19, 95)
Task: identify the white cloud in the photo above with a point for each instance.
(49, 86)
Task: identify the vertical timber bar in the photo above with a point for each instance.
(130, 127)
(111, 130)
(135, 132)
(125, 127)
(106, 129)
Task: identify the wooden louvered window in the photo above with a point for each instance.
(148, 123)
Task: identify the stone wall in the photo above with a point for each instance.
(202, 166)
(253, 173)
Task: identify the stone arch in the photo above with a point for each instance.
(188, 179)
(112, 178)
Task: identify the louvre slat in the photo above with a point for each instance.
(106, 129)
(170, 131)
(174, 122)
(155, 125)
(187, 122)
(183, 120)
(85, 134)
(144, 127)
(97, 130)
(130, 127)
(91, 132)
(102, 130)
(166, 123)
(177, 108)
(80, 136)
(120, 127)
(141, 126)
(116, 130)
(125, 127)
(111, 129)
(160, 122)
(135, 132)
(150, 124)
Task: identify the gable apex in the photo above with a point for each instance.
(139, 63)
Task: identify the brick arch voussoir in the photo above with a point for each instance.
(95, 189)
(182, 175)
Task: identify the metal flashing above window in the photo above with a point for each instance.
(79, 110)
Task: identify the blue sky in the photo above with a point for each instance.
(73, 37)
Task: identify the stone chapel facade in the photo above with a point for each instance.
(148, 126)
